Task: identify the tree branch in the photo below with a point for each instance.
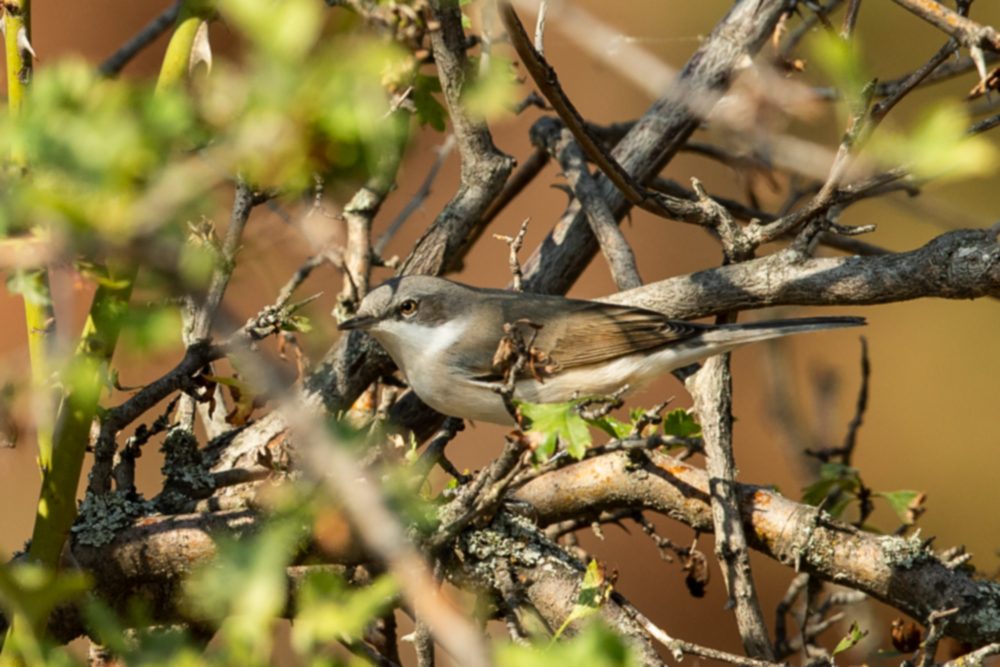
(897, 571)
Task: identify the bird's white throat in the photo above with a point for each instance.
(420, 346)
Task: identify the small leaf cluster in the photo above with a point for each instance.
(844, 482)
(553, 422)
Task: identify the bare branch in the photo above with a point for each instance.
(656, 138)
(484, 168)
(419, 196)
(550, 134)
(117, 61)
(967, 32)
(963, 264)
(713, 393)
(897, 571)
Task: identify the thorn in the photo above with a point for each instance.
(24, 44)
(201, 50)
(295, 306)
(980, 60)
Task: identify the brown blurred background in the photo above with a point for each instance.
(933, 421)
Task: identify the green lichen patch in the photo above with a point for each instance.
(101, 517)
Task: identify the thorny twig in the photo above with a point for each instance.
(604, 404)
(846, 450)
(515, 244)
(936, 623)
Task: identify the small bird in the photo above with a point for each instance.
(448, 340)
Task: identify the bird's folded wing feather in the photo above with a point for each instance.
(601, 332)
(588, 333)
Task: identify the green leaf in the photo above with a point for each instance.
(429, 110)
(833, 475)
(328, 609)
(558, 420)
(938, 146)
(297, 323)
(593, 596)
(493, 92)
(594, 646)
(900, 502)
(853, 637)
(681, 424)
(613, 427)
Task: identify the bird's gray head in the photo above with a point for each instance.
(411, 300)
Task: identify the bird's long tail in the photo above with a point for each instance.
(735, 335)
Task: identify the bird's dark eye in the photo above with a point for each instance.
(408, 308)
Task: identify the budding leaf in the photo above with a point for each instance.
(593, 596)
(853, 637)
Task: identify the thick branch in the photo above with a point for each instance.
(712, 388)
(968, 33)
(484, 168)
(657, 137)
(559, 142)
(897, 571)
(963, 264)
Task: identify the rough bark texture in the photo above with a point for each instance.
(897, 571)
(656, 137)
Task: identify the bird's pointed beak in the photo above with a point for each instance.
(359, 322)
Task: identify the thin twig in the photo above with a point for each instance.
(117, 61)
(936, 623)
(418, 197)
(524, 175)
(850, 19)
(299, 277)
(552, 135)
(515, 244)
(435, 450)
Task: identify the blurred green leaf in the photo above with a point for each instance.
(937, 146)
(841, 60)
(247, 585)
(151, 329)
(594, 646)
(494, 92)
(26, 284)
(328, 610)
(285, 30)
(33, 591)
(429, 110)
